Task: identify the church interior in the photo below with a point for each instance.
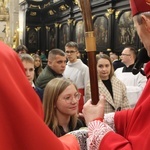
(42, 25)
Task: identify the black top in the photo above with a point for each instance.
(40, 92)
(128, 69)
(117, 64)
(80, 124)
(36, 72)
(108, 85)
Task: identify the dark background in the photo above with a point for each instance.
(50, 25)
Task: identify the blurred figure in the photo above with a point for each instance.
(134, 83)
(37, 65)
(38, 52)
(22, 49)
(115, 60)
(43, 56)
(60, 101)
(100, 53)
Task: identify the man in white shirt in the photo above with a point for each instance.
(76, 70)
(134, 83)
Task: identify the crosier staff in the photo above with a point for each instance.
(90, 43)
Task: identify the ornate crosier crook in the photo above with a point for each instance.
(90, 42)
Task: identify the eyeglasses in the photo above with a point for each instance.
(125, 54)
(70, 52)
(69, 98)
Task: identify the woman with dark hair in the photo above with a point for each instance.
(37, 65)
(21, 49)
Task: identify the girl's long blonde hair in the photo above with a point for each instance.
(51, 93)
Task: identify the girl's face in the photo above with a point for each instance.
(67, 103)
(37, 62)
(103, 68)
(143, 31)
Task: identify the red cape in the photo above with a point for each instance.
(21, 113)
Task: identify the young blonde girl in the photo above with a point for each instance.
(60, 101)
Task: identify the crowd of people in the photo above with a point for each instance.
(41, 107)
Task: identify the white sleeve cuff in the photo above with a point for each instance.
(97, 130)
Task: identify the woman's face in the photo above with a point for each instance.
(37, 62)
(67, 103)
(103, 68)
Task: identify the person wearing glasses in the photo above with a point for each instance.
(134, 83)
(76, 70)
(60, 102)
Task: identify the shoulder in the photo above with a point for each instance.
(39, 89)
(114, 79)
(40, 92)
(84, 68)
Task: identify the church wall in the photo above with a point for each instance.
(51, 25)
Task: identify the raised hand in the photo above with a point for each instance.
(92, 112)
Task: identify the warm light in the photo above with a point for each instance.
(148, 2)
(20, 30)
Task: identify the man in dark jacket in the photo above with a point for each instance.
(55, 67)
(115, 60)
